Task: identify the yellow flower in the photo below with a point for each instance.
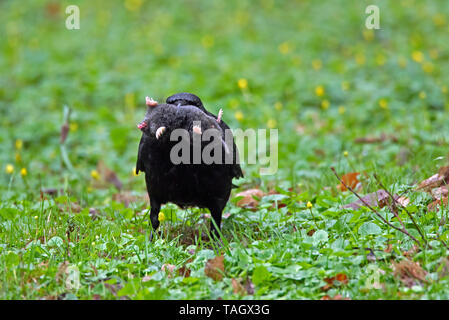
(18, 157)
(383, 103)
(284, 47)
(135, 173)
(380, 59)
(239, 115)
(422, 95)
(93, 244)
(309, 205)
(19, 144)
(418, 56)
(23, 172)
(360, 58)
(341, 109)
(319, 91)
(427, 67)
(278, 106)
(242, 83)
(161, 216)
(207, 41)
(439, 20)
(35, 217)
(325, 104)
(317, 64)
(346, 153)
(9, 168)
(73, 126)
(133, 5)
(94, 174)
(368, 34)
(271, 123)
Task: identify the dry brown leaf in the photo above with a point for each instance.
(443, 268)
(336, 297)
(249, 286)
(389, 248)
(61, 271)
(168, 268)
(351, 180)
(380, 199)
(375, 199)
(435, 205)
(409, 272)
(370, 139)
(441, 192)
(238, 288)
(184, 272)
(215, 268)
(403, 201)
(341, 277)
(248, 200)
(435, 181)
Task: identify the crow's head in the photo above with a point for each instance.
(151, 105)
(186, 99)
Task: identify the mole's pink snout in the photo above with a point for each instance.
(142, 125)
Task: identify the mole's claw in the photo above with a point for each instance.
(197, 129)
(150, 102)
(159, 132)
(220, 115)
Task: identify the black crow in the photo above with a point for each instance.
(186, 99)
(185, 184)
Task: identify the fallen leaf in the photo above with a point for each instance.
(168, 268)
(184, 272)
(403, 201)
(435, 181)
(443, 268)
(441, 192)
(409, 272)
(238, 288)
(370, 139)
(389, 248)
(435, 205)
(351, 180)
(249, 286)
(215, 268)
(248, 200)
(336, 297)
(330, 282)
(380, 199)
(375, 199)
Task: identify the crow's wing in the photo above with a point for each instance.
(140, 163)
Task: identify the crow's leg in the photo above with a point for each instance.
(216, 211)
(154, 213)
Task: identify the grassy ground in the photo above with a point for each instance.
(310, 69)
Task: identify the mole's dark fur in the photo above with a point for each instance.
(201, 185)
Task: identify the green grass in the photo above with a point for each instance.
(126, 50)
